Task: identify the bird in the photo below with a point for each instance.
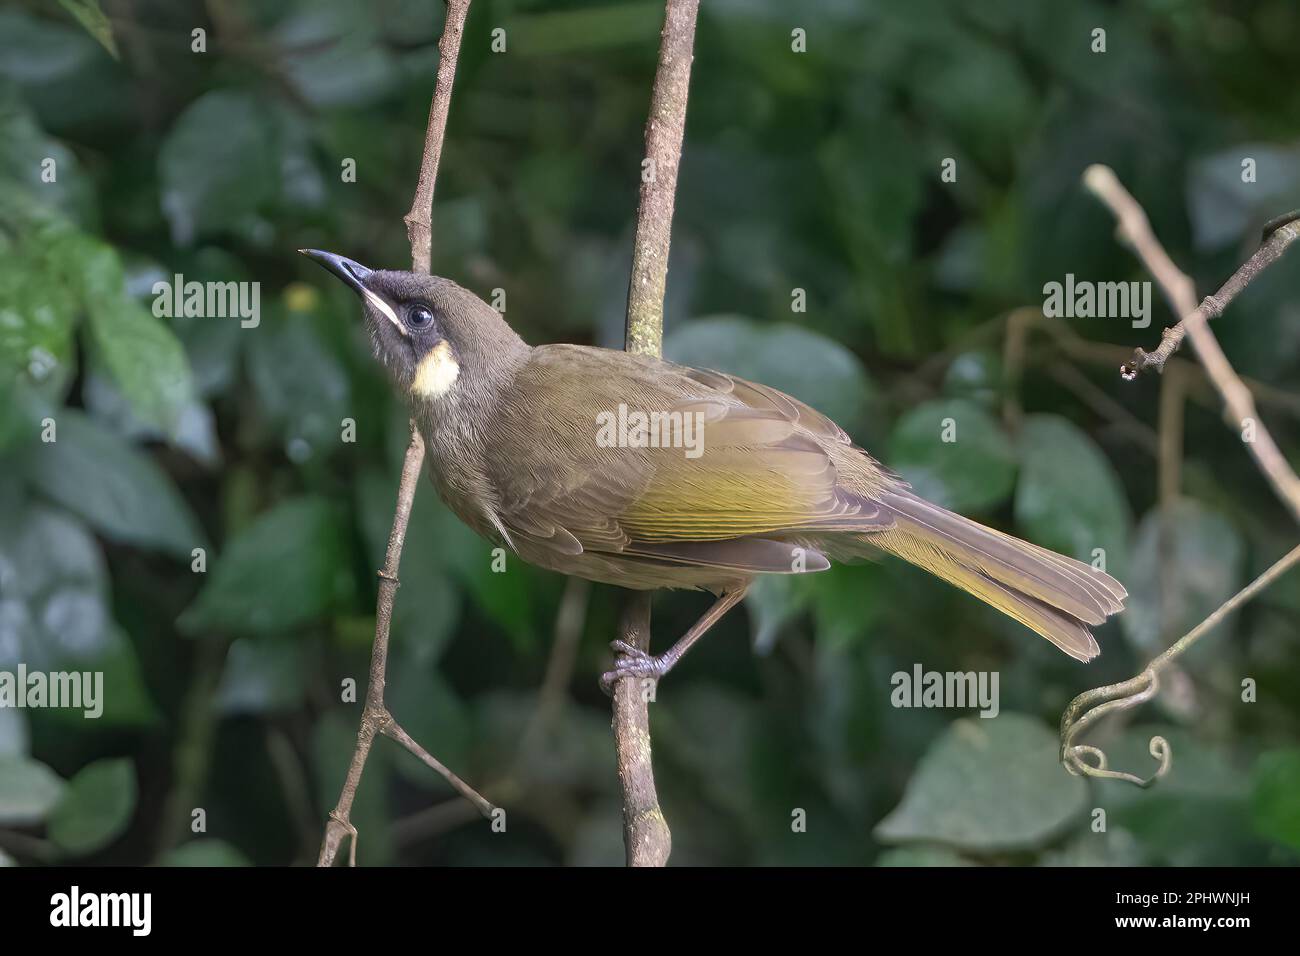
(630, 470)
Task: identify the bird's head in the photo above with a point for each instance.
(432, 336)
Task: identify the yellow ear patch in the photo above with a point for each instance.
(436, 373)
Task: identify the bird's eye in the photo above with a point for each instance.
(419, 317)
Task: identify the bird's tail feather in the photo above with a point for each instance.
(1056, 596)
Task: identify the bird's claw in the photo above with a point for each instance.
(630, 661)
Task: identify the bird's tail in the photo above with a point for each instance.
(1054, 595)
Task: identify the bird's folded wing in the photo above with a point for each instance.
(742, 461)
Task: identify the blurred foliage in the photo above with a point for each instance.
(808, 178)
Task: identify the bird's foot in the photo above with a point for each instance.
(631, 661)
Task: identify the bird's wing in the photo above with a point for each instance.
(748, 462)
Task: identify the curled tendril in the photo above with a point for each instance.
(1089, 707)
(1092, 705)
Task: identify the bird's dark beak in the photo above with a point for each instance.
(352, 273)
(355, 275)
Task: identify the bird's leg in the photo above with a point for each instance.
(634, 662)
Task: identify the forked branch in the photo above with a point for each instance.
(1135, 228)
(375, 718)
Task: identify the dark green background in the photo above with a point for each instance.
(817, 171)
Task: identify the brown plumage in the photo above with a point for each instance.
(774, 486)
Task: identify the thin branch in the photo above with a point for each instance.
(1021, 321)
(375, 717)
(646, 836)
(647, 839)
(1136, 228)
(394, 731)
(1091, 706)
(515, 782)
(419, 221)
(1278, 234)
(663, 153)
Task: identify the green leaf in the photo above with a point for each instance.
(193, 432)
(14, 737)
(954, 454)
(120, 491)
(334, 54)
(90, 16)
(1171, 592)
(39, 303)
(288, 567)
(207, 852)
(1274, 806)
(126, 698)
(55, 613)
(976, 376)
(980, 97)
(301, 386)
(141, 353)
(21, 413)
(1068, 497)
(988, 785)
(217, 165)
(96, 807)
(262, 676)
(29, 790)
(813, 368)
(24, 149)
(55, 587)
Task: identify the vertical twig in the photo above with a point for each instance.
(647, 839)
(375, 718)
(646, 836)
(664, 130)
(419, 227)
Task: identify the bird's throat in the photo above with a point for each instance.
(436, 374)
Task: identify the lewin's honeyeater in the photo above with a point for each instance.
(770, 486)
